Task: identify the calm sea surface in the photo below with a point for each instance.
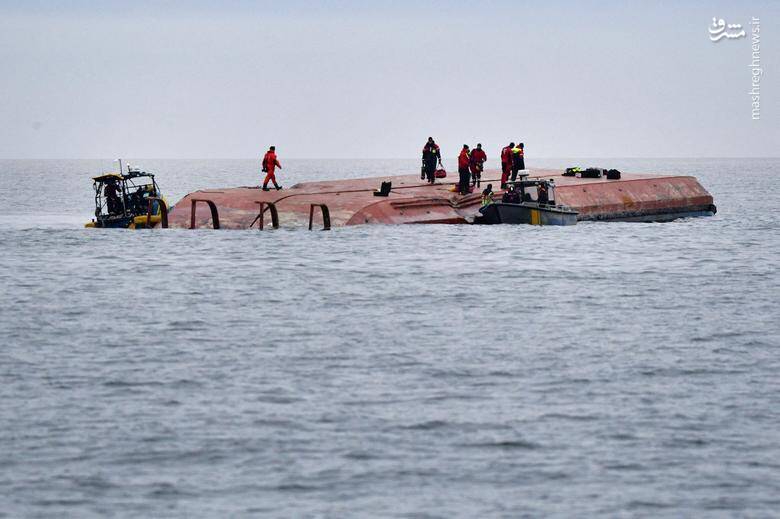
(429, 371)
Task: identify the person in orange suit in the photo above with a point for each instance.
(477, 164)
(270, 163)
(506, 163)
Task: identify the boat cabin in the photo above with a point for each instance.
(124, 200)
(537, 190)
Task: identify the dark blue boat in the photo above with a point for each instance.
(518, 207)
(526, 212)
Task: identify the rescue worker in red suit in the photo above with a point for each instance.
(270, 163)
(463, 170)
(506, 163)
(477, 164)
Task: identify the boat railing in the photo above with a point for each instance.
(325, 216)
(261, 216)
(535, 204)
(214, 212)
(163, 212)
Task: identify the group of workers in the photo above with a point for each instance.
(514, 196)
(510, 196)
(471, 164)
(512, 162)
(117, 202)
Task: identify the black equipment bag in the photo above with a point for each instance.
(592, 173)
(384, 189)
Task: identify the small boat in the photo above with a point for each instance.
(528, 213)
(130, 200)
(524, 210)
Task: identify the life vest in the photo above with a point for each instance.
(430, 149)
(478, 156)
(463, 159)
(518, 151)
(506, 155)
(270, 162)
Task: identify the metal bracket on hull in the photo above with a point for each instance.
(261, 215)
(163, 212)
(214, 212)
(325, 216)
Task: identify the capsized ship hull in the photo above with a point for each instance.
(352, 201)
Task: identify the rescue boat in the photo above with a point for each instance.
(129, 200)
(526, 213)
(543, 211)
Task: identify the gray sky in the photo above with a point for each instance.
(347, 79)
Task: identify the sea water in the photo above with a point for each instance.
(427, 371)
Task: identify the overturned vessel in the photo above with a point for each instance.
(406, 200)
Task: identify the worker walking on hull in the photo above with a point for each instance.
(270, 163)
(431, 154)
(506, 163)
(464, 159)
(477, 164)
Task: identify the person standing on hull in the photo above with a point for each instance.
(477, 164)
(431, 154)
(464, 159)
(270, 163)
(518, 160)
(506, 163)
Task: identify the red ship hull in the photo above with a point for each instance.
(352, 201)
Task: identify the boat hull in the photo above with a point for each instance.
(634, 197)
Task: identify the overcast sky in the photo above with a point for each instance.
(374, 79)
